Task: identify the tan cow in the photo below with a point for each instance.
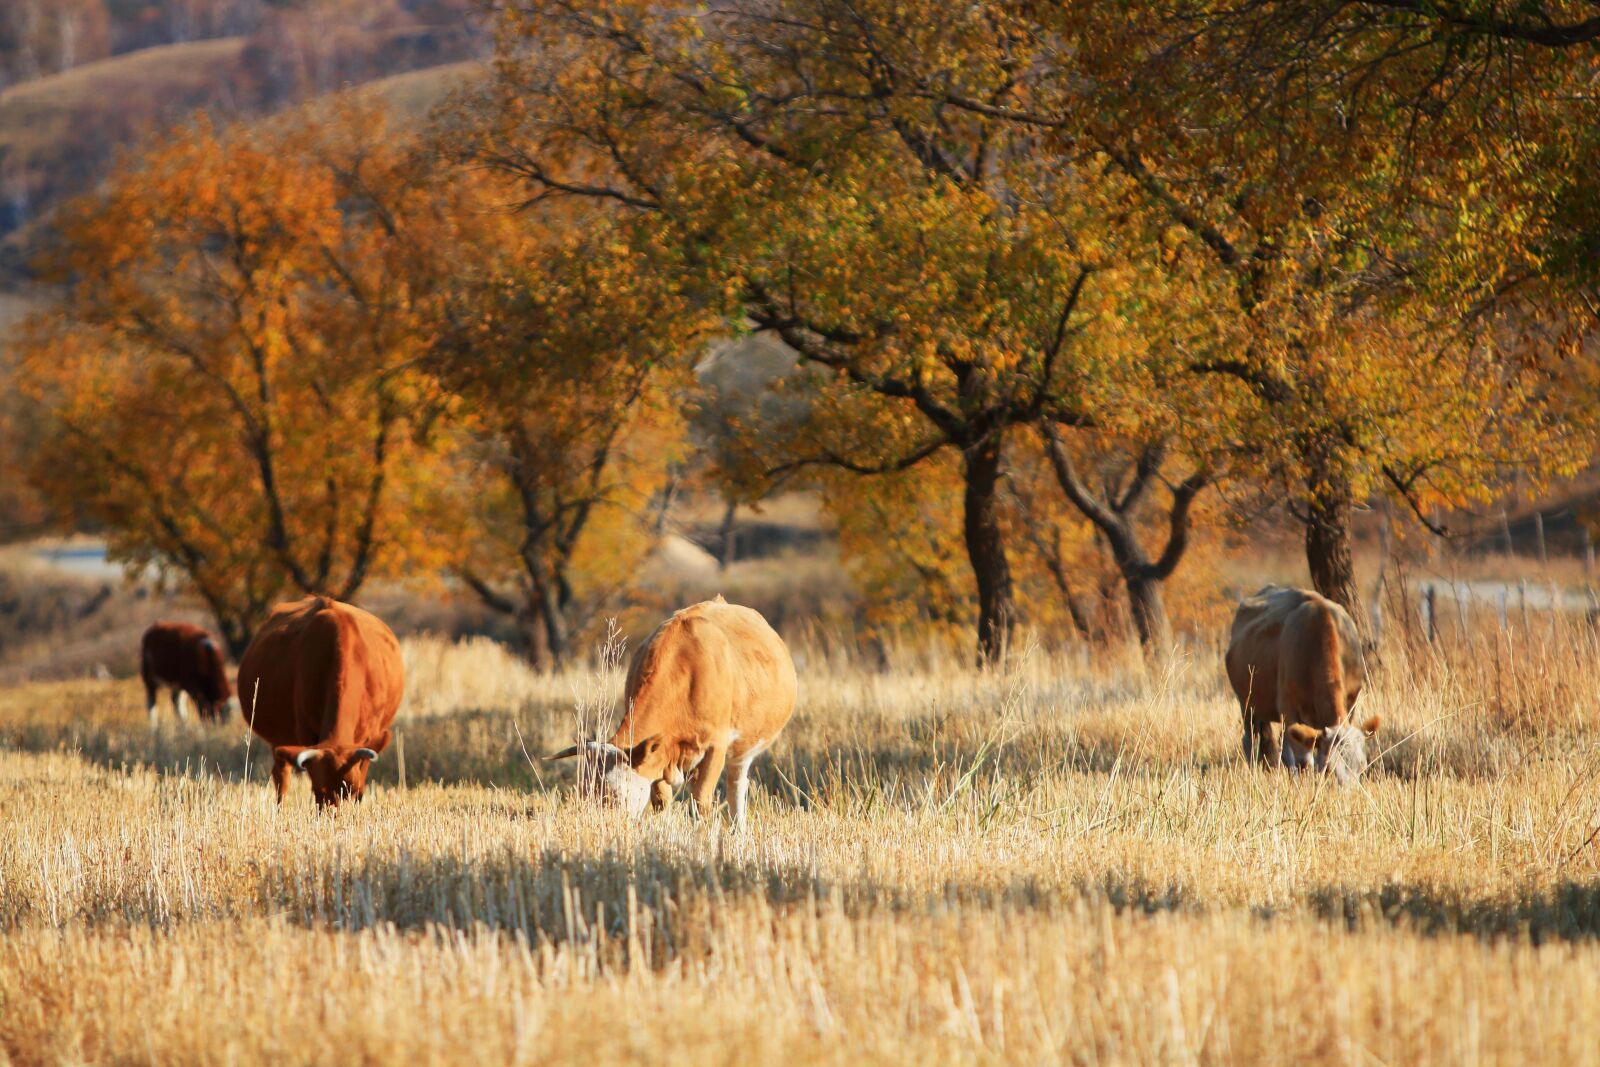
(321, 683)
(1294, 657)
(706, 694)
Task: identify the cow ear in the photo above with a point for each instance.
(1303, 735)
(1370, 727)
(295, 754)
(643, 750)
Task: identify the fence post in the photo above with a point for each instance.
(1538, 529)
(400, 754)
(1427, 612)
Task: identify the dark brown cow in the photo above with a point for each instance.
(330, 680)
(185, 660)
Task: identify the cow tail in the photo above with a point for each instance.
(1331, 693)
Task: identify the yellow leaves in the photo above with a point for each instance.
(233, 308)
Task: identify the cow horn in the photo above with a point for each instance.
(566, 753)
(306, 757)
(365, 753)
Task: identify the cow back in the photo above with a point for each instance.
(711, 671)
(1293, 645)
(320, 671)
(1253, 647)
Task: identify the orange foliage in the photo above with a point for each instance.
(230, 380)
(567, 346)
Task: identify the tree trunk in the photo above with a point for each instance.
(1058, 574)
(556, 638)
(725, 547)
(986, 549)
(1147, 607)
(1114, 520)
(531, 625)
(1328, 555)
(235, 636)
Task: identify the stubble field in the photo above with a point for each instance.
(1060, 861)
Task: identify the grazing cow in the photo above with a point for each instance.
(1294, 657)
(185, 660)
(330, 679)
(708, 691)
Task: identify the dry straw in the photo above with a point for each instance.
(1060, 861)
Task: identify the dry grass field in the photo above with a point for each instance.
(1060, 861)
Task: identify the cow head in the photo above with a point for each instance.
(611, 774)
(1341, 749)
(214, 699)
(219, 709)
(336, 771)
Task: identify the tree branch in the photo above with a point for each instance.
(1178, 525)
(1404, 487)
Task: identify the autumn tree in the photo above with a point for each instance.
(567, 351)
(903, 544)
(229, 384)
(1115, 509)
(1359, 312)
(943, 284)
(1374, 205)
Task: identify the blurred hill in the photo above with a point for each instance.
(83, 82)
(69, 103)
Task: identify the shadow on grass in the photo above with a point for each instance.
(1563, 911)
(479, 747)
(662, 903)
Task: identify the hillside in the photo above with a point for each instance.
(58, 132)
(416, 92)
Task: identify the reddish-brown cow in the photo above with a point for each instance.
(185, 660)
(324, 680)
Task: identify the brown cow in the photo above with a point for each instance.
(708, 691)
(185, 660)
(1294, 657)
(330, 679)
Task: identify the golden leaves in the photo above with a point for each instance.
(231, 369)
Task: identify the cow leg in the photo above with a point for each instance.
(178, 707)
(661, 794)
(736, 783)
(703, 780)
(150, 702)
(1266, 746)
(282, 771)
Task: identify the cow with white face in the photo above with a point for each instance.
(1294, 659)
(706, 694)
(1340, 750)
(606, 774)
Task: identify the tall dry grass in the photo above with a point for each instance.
(1063, 860)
